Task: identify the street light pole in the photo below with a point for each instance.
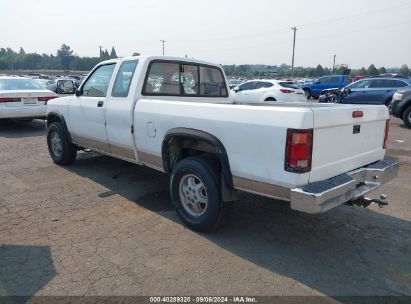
(334, 63)
(292, 62)
(163, 41)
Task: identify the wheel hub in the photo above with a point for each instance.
(56, 144)
(193, 195)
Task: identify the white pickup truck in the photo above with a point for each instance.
(176, 115)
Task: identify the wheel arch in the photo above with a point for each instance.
(53, 117)
(177, 140)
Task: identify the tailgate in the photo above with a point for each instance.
(343, 143)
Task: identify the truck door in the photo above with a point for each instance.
(87, 111)
(119, 111)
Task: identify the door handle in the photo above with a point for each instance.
(100, 104)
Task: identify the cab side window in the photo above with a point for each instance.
(184, 79)
(189, 78)
(163, 79)
(123, 79)
(212, 82)
(97, 84)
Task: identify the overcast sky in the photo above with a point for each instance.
(359, 32)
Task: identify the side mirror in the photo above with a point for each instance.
(79, 92)
(237, 89)
(348, 90)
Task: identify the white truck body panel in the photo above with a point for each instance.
(254, 137)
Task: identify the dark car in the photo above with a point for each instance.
(372, 90)
(401, 105)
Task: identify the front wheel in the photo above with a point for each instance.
(196, 193)
(61, 150)
(407, 117)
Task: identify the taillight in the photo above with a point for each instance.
(286, 91)
(10, 99)
(46, 99)
(299, 147)
(387, 130)
(357, 114)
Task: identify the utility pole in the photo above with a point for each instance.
(334, 63)
(292, 62)
(100, 50)
(163, 41)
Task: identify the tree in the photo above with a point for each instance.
(22, 52)
(319, 71)
(65, 54)
(372, 70)
(113, 53)
(136, 54)
(382, 70)
(404, 70)
(363, 72)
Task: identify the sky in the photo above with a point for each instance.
(358, 32)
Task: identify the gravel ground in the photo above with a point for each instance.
(105, 227)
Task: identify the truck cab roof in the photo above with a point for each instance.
(152, 57)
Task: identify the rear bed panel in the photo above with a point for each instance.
(337, 149)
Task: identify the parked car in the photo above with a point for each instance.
(372, 90)
(314, 89)
(62, 86)
(189, 128)
(401, 105)
(23, 98)
(268, 91)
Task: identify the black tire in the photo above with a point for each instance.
(307, 93)
(68, 150)
(270, 99)
(6, 122)
(407, 117)
(208, 172)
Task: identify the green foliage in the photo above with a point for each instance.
(113, 53)
(382, 70)
(65, 59)
(404, 70)
(372, 70)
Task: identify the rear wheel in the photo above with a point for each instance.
(196, 193)
(61, 150)
(407, 117)
(6, 122)
(307, 93)
(270, 99)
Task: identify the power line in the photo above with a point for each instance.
(283, 29)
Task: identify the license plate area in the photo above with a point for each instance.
(29, 100)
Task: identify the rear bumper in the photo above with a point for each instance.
(324, 195)
(37, 111)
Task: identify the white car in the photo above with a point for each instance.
(23, 98)
(268, 91)
(175, 115)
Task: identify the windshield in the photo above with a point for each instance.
(289, 84)
(19, 84)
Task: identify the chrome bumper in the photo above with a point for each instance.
(321, 196)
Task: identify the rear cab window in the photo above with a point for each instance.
(169, 78)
